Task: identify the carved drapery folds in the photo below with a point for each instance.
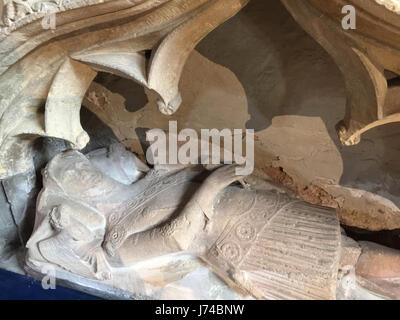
(44, 74)
(368, 57)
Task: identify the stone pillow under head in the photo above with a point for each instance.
(118, 163)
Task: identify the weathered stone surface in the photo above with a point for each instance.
(205, 87)
(295, 119)
(286, 97)
(21, 192)
(363, 56)
(281, 106)
(392, 5)
(98, 228)
(350, 252)
(378, 261)
(9, 237)
(117, 163)
(300, 98)
(17, 212)
(16, 13)
(145, 41)
(379, 269)
(350, 288)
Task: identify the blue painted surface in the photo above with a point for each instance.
(18, 287)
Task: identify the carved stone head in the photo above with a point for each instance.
(74, 175)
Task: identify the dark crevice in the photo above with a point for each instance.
(101, 135)
(388, 238)
(10, 207)
(393, 79)
(395, 82)
(133, 93)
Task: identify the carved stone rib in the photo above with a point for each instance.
(112, 36)
(363, 55)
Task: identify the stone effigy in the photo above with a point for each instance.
(259, 240)
(145, 229)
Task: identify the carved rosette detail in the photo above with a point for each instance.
(259, 254)
(231, 251)
(245, 232)
(241, 232)
(114, 239)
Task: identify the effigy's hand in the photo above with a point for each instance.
(204, 197)
(222, 178)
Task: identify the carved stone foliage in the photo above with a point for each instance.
(368, 57)
(44, 74)
(14, 12)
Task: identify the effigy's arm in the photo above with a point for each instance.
(178, 234)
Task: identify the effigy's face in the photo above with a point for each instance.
(77, 176)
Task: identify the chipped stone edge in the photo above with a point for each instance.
(392, 5)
